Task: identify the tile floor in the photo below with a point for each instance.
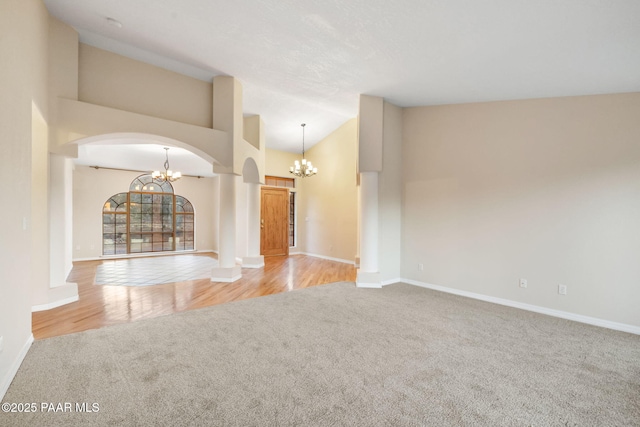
(154, 271)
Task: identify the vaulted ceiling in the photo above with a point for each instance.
(308, 60)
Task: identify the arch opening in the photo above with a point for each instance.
(250, 172)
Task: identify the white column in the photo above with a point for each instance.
(60, 234)
(227, 270)
(369, 272)
(253, 258)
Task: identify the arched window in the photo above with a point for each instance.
(149, 218)
(114, 225)
(145, 183)
(184, 224)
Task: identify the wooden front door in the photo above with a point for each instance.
(274, 221)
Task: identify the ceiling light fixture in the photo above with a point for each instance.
(167, 175)
(303, 168)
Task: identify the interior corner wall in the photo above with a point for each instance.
(328, 206)
(39, 277)
(390, 195)
(547, 190)
(92, 188)
(23, 76)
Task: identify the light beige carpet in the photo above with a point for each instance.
(337, 355)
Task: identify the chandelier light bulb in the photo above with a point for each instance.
(168, 174)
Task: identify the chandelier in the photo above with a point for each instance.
(167, 175)
(303, 168)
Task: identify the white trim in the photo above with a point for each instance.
(368, 279)
(325, 257)
(226, 279)
(49, 306)
(390, 282)
(226, 274)
(144, 255)
(13, 370)
(87, 259)
(529, 307)
(368, 285)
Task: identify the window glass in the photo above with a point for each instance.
(148, 218)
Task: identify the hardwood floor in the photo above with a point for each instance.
(104, 305)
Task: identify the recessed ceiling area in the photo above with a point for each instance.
(142, 157)
(306, 61)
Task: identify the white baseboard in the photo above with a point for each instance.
(390, 282)
(226, 274)
(381, 284)
(8, 378)
(344, 261)
(529, 307)
(364, 285)
(226, 279)
(144, 255)
(49, 306)
(253, 261)
(368, 279)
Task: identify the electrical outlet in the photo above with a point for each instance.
(421, 267)
(562, 289)
(1, 344)
(523, 283)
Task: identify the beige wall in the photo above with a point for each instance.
(63, 76)
(23, 76)
(328, 206)
(115, 81)
(277, 163)
(92, 188)
(547, 190)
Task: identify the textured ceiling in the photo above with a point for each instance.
(308, 60)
